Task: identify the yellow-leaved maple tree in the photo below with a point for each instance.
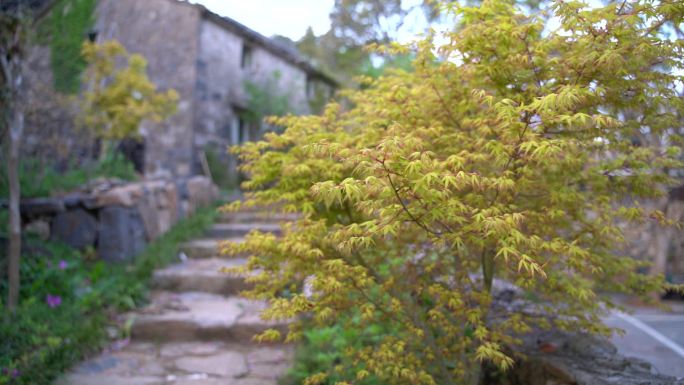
(508, 152)
(118, 94)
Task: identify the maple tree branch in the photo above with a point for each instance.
(403, 205)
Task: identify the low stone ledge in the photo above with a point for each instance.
(554, 357)
(560, 358)
(37, 207)
(115, 217)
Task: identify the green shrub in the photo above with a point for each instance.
(322, 351)
(67, 298)
(67, 27)
(40, 180)
(221, 174)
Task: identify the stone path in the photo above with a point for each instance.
(196, 329)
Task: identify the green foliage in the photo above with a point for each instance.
(220, 174)
(41, 341)
(402, 62)
(40, 180)
(67, 28)
(510, 156)
(117, 98)
(322, 350)
(266, 99)
(333, 55)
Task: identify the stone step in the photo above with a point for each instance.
(183, 363)
(232, 230)
(201, 275)
(194, 316)
(204, 247)
(250, 217)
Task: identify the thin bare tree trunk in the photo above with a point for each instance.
(15, 132)
(661, 244)
(674, 211)
(10, 61)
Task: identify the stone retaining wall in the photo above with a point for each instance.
(563, 358)
(117, 218)
(555, 357)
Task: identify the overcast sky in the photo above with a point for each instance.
(291, 18)
(270, 17)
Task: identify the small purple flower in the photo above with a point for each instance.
(53, 300)
(63, 264)
(16, 373)
(120, 344)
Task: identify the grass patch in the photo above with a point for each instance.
(68, 299)
(39, 180)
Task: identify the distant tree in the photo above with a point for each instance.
(402, 62)
(332, 55)
(509, 156)
(357, 22)
(118, 97)
(354, 25)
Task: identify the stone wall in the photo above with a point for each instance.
(562, 358)
(218, 74)
(221, 77)
(165, 33)
(50, 136)
(220, 92)
(555, 357)
(195, 52)
(659, 244)
(117, 219)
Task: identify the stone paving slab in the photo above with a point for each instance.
(183, 316)
(250, 322)
(191, 316)
(201, 275)
(97, 379)
(232, 230)
(205, 247)
(250, 217)
(225, 364)
(184, 363)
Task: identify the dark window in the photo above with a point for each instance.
(310, 88)
(244, 131)
(246, 57)
(134, 151)
(92, 35)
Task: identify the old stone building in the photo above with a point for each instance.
(208, 59)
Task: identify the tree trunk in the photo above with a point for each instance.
(674, 210)
(10, 63)
(661, 246)
(16, 128)
(487, 270)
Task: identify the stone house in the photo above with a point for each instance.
(208, 59)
